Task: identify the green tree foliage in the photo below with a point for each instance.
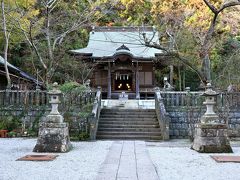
(206, 23)
(48, 32)
(227, 61)
(15, 15)
(42, 32)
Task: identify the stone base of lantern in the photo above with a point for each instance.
(211, 138)
(52, 136)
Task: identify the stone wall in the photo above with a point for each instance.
(234, 122)
(182, 120)
(29, 117)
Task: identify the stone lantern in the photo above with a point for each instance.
(210, 135)
(55, 99)
(53, 133)
(210, 116)
(167, 86)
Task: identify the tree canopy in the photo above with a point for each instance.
(202, 33)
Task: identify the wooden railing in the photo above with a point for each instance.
(94, 118)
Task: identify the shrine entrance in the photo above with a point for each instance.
(123, 81)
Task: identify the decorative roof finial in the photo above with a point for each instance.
(123, 47)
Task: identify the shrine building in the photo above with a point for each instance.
(123, 62)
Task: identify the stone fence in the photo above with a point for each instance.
(185, 109)
(38, 98)
(191, 98)
(32, 105)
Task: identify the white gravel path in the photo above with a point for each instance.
(173, 160)
(176, 161)
(82, 163)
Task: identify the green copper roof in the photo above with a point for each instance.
(19, 71)
(107, 42)
(8, 64)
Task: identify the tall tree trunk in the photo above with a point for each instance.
(50, 52)
(204, 52)
(6, 38)
(205, 48)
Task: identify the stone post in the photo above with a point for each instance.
(53, 135)
(137, 82)
(210, 135)
(37, 95)
(109, 94)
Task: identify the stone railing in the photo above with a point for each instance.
(185, 109)
(231, 99)
(93, 119)
(38, 98)
(28, 98)
(162, 115)
(30, 106)
(182, 98)
(194, 98)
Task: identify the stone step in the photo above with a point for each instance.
(101, 125)
(128, 113)
(133, 129)
(127, 119)
(129, 122)
(127, 110)
(139, 124)
(128, 116)
(129, 133)
(129, 137)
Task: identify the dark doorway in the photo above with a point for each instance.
(123, 82)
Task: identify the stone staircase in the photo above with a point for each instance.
(139, 124)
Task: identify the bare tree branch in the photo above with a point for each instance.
(230, 4)
(211, 7)
(36, 49)
(6, 37)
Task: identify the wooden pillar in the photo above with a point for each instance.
(171, 75)
(109, 95)
(137, 82)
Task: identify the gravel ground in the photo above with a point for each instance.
(174, 160)
(81, 163)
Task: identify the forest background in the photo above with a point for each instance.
(203, 35)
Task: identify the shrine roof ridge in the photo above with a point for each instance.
(19, 72)
(122, 28)
(105, 42)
